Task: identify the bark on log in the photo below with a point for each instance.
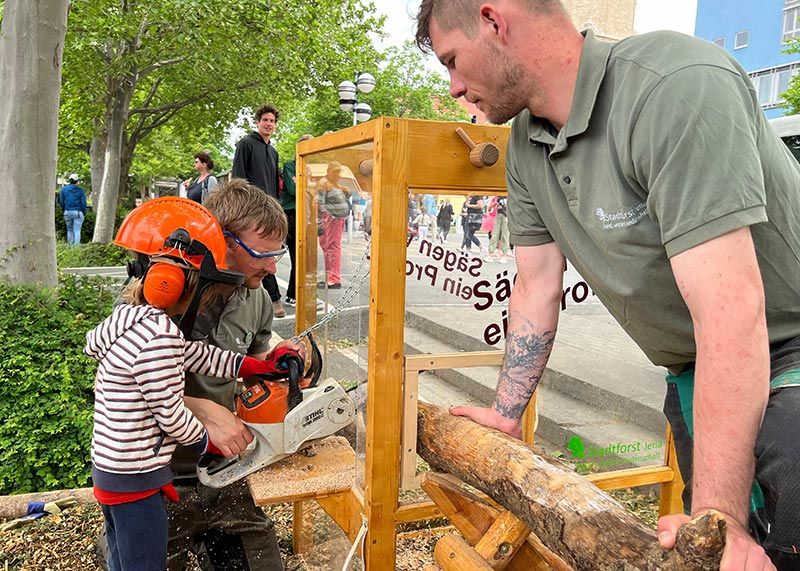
(17, 506)
(573, 518)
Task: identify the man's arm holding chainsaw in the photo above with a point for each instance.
(533, 319)
(224, 428)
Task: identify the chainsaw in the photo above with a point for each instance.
(286, 410)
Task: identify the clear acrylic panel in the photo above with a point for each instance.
(598, 402)
(338, 214)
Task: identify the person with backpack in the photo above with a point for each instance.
(205, 182)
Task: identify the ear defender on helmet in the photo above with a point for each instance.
(164, 285)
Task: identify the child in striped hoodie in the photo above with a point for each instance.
(139, 414)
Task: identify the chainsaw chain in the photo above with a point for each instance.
(359, 275)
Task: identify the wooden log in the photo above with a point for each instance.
(574, 519)
(17, 506)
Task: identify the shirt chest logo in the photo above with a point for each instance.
(245, 344)
(621, 218)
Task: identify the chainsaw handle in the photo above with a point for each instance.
(294, 364)
(207, 458)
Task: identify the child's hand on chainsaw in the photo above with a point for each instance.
(230, 435)
(289, 345)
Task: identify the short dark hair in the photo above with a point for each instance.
(462, 15)
(205, 158)
(266, 109)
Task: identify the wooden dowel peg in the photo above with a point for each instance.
(481, 154)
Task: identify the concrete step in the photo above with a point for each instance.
(565, 423)
(586, 368)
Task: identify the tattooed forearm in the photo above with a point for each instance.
(527, 351)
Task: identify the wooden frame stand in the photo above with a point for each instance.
(423, 157)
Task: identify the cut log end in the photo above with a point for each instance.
(574, 519)
(698, 547)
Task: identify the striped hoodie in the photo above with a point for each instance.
(139, 415)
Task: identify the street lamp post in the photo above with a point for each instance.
(348, 97)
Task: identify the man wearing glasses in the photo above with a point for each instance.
(223, 527)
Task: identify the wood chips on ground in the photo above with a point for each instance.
(67, 542)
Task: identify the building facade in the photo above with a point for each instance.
(755, 32)
(608, 19)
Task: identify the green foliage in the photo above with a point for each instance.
(193, 65)
(404, 88)
(46, 397)
(792, 95)
(90, 255)
(169, 152)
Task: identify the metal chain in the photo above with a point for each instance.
(359, 275)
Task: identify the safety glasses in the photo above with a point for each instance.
(276, 255)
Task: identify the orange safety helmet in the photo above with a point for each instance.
(147, 229)
(171, 236)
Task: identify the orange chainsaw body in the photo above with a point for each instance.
(265, 402)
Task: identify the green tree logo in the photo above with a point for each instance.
(575, 446)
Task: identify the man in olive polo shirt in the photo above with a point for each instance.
(223, 527)
(648, 164)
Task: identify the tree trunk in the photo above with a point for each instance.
(106, 202)
(31, 49)
(97, 153)
(573, 518)
(125, 163)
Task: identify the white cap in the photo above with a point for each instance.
(73, 177)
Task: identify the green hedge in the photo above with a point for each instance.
(46, 396)
(90, 255)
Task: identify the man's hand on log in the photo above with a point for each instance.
(489, 417)
(741, 553)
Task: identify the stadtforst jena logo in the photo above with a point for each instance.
(615, 454)
(621, 218)
(575, 447)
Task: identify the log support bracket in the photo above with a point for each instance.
(493, 538)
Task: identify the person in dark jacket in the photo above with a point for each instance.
(444, 219)
(288, 197)
(256, 160)
(72, 199)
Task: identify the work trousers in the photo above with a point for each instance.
(223, 528)
(775, 502)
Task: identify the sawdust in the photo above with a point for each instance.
(323, 468)
(67, 543)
